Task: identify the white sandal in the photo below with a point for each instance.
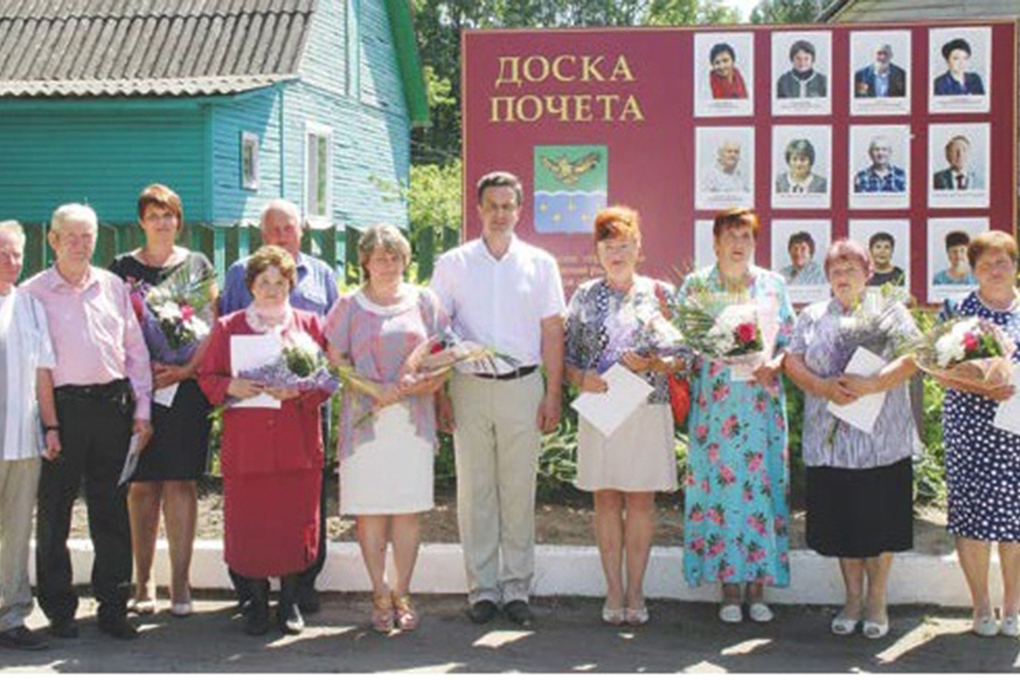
(760, 612)
(874, 630)
(843, 625)
(731, 613)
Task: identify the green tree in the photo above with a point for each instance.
(687, 12)
(786, 12)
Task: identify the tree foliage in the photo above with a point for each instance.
(786, 11)
(439, 23)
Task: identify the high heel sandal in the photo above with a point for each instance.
(382, 613)
(403, 611)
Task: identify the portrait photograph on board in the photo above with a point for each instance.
(880, 62)
(798, 254)
(723, 74)
(879, 167)
(958, 165)
(949, 273)
(801, 63)
(959, 69)
(801, 166)
(888, 243)
(724, 158)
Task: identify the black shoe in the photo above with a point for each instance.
(289, 619)
(64, 628)
(119, 628)
(483, 611)
(22, 638)
(308, 600)
(519, 612)
(288, 613)
(256, 616)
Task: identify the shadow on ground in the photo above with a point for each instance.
(567, 636)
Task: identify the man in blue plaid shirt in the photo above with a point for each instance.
(881, 175)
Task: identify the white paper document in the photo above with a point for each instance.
(253, 351)
(165, 396)
(863, 412)
(607, 410)
(131, 462)
(1007, 416)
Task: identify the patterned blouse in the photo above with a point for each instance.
(603, 323)
(376, 340)
(827, 337)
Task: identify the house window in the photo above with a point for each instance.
(318, 173)
(249, 161)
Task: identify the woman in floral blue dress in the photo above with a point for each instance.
(736, 508)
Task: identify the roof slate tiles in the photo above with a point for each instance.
(148, 47)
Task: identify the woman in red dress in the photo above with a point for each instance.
(271, 458)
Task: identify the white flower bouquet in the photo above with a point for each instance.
(969, 350)
(176, 315)
(718, 326)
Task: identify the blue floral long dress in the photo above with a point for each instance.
(736, 526)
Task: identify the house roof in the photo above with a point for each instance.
(99, 48)
(909, 10)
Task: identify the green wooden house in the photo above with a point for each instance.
(230, 102)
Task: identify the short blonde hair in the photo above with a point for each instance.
(73, 212)
(270, 256)
(384, 236)
(991, 240)
(13, 229)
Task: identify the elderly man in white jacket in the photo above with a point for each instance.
(26, 407)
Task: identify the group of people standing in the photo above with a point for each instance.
(71, 335)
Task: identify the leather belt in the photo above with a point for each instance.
(101, 391)
(521, 372)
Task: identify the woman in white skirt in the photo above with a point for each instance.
(386, 442)
(619, 319)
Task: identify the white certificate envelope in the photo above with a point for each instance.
(1007, 416)
(607, 410)
(165, 396)
(253, 351)
(863, 412)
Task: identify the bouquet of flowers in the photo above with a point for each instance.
(301, 365)
(440, 354)
(967, 350)
(719, 326)
(175, 315)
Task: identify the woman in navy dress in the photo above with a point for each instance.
(983, 461)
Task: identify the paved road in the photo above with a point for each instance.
(567, 637)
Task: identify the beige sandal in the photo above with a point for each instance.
(382, 613)
(407, 617)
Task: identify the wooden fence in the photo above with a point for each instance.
(224, 245)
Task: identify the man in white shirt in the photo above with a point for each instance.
(26, 389)
(506, 295)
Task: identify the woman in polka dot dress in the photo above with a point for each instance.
(982, 461)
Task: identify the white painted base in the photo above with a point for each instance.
(576, 570)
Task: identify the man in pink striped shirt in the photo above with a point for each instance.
(103, 389)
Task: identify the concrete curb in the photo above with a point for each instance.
(576, 570)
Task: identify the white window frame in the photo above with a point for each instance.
(250, 139)
(318, 130)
